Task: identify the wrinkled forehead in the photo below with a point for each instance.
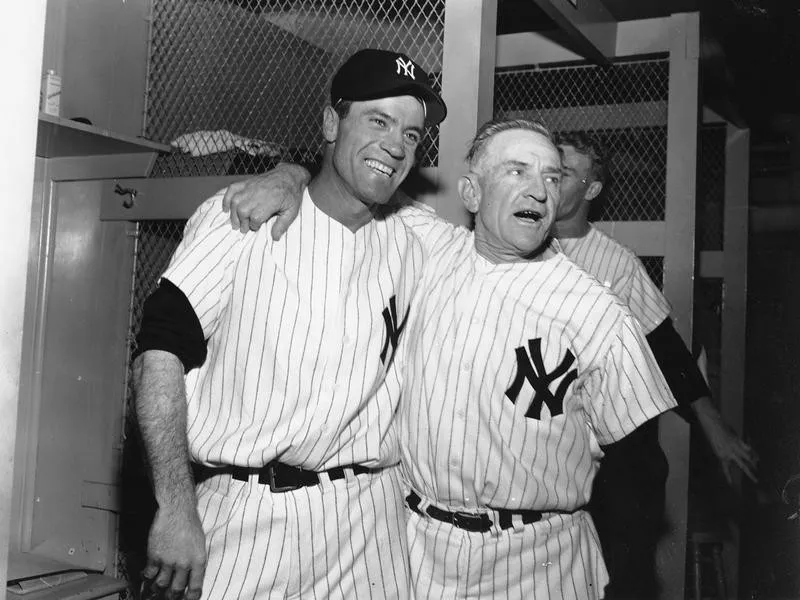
(523, 146)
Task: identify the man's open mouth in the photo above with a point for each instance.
(529, 215)
(381, 168)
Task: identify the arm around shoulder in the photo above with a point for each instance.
(276, 193)
(430, 228)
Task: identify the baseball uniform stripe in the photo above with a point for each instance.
(340, 539)
(619, 269)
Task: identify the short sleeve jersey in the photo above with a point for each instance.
(516, 374)
(301, 333)
(619, 269)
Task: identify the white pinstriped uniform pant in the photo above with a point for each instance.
(556, 558)
(339, 539)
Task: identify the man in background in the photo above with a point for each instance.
(628, 499)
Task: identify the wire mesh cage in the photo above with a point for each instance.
(157, 240)
(711, 187)
(623, 104)
(240, 84)
(654, 265)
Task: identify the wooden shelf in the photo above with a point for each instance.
(58, 137)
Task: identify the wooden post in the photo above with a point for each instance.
(682, 133)
(468, 65)
(734, 311)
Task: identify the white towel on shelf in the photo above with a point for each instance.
(203, 143)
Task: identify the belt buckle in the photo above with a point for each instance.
(468, 522)
(279, 489)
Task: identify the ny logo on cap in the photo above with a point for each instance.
(407, 67)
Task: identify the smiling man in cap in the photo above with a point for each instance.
(268, 366)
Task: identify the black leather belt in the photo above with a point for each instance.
(279, 476)
(473, 521)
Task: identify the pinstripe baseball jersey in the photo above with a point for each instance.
(301, 338)
(619, 269)
(515, 375)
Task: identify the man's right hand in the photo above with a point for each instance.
(176, 553)
(277, 192)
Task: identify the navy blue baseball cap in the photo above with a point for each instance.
(370, 74)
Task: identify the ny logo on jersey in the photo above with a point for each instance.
(530, 368)
(393, 330)
(406, 65)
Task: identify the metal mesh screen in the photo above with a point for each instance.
(255, 74)
(157, 241)
(654, 265)
(711, 187)
(624, 104)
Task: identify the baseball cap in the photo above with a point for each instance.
(370, 74)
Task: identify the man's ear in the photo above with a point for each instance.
(593, 191)
(469, 188)
(330, 124)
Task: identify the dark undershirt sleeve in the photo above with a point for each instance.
(169, 323)
(678, 366)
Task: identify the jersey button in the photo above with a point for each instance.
(466, 366)
(455, 462)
